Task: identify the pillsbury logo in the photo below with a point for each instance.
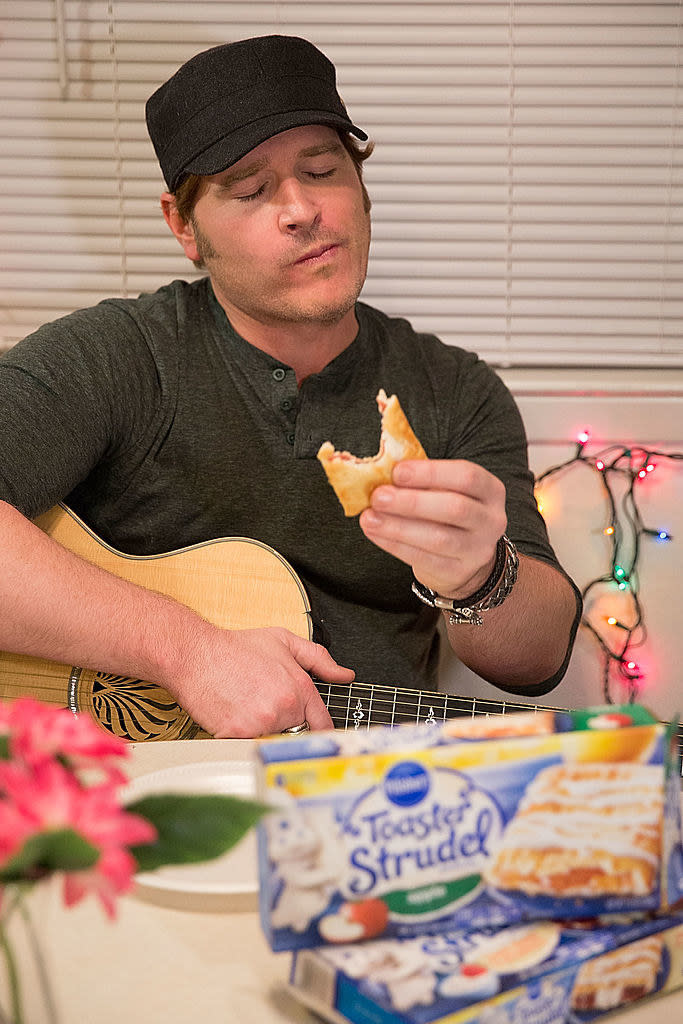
(406, 784)
(544, 1003)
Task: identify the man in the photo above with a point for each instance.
(197, 413)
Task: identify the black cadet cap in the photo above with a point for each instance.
(227, 100)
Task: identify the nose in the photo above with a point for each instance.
(298, 210)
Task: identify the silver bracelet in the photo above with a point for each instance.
(498, 586)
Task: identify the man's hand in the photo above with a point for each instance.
(442, 517)
(255, 682)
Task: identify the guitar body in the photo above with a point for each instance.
(235, 583)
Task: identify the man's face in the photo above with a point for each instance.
(283, 233)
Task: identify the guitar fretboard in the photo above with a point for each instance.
(363, 704)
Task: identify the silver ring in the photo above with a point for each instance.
(294, 730)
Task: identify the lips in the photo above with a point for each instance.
(313, 254)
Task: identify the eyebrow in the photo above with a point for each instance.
(250, 170)
(324, 147)
(246, 172)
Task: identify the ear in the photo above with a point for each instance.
(182, 229)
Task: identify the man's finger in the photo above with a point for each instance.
(319, 662)
(313, 658)
(317, 715)
(460, 475)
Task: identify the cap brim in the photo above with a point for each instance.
(228, 150)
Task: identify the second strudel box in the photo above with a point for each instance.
(468, 824)
(537, 973)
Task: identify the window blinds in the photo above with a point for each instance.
(527, 177)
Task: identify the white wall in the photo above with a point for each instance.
(642, 408)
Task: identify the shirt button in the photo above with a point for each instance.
(278, 374)
(286, 404)
(290, 438)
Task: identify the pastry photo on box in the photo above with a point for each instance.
(600, 824)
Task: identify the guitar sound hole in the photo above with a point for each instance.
(137, 710)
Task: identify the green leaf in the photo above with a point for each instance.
(4, 748)
(192, 828)
(59, 850)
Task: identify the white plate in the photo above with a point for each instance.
(228, 882)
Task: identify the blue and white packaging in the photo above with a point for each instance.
(542, 973)
(468, 824)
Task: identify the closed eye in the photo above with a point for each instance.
(252, 195)
(316, 175)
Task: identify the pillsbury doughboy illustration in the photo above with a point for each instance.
(305, 869)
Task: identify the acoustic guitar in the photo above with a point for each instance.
(235, 583)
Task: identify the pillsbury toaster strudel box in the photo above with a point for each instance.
(468, 824)
(536, 973)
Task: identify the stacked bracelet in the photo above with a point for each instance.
(492, 594)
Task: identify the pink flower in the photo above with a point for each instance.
(16, 826)
(50, 797)
(39, 732)
(44, 793)
(112, 876)
(103, 823)
(99, 818)
(107, 826)
(46, 796)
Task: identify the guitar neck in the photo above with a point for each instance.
(362, 704)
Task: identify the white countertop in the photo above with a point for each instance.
(183, 964)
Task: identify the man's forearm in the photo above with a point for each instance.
(524, 641)
(59, 607)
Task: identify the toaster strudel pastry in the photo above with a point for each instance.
(586, 829)
(354, 479)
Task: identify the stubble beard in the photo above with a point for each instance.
(278, 312)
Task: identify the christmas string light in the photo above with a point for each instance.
(626, 466)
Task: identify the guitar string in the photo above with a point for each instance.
(379, 695)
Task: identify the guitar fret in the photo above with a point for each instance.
(372, 695)
(460, 706)
(327, 699)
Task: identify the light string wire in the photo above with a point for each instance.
(629, 465)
